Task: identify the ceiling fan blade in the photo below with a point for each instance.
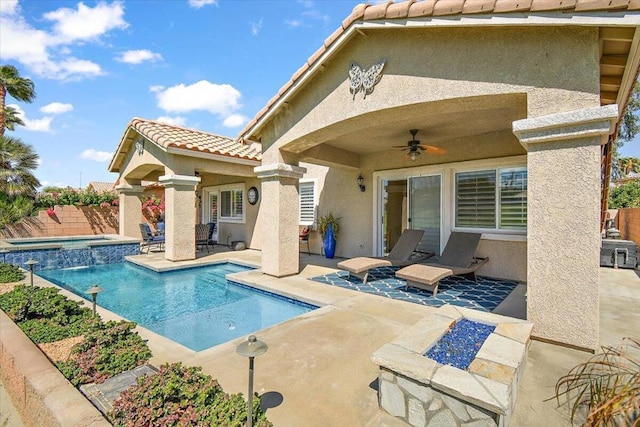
(400, 146)
(432, 149)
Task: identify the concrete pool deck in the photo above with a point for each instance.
(318, 372)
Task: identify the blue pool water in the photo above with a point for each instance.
(196, 307)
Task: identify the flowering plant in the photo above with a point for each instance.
(153, 207)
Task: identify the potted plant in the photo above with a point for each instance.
(328, 227)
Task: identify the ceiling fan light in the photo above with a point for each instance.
(413, 155)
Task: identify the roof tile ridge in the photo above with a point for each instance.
(170, 125)
(399, 10)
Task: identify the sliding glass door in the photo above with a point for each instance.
(425, 210)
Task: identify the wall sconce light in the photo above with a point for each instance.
(361, 183)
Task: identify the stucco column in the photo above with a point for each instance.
(129, 210)
(563, 230)
(280, 221)
(179, 218)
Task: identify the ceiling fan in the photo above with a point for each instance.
(414, 148)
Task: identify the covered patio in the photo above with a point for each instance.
(205, 178)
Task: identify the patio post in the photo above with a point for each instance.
(129, 209)
(563, 222)
(280, 207)
(180, 199)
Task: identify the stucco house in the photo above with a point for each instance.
(516, 104)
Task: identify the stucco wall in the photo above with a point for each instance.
(628, 222)
(557, 69)
(67, 221)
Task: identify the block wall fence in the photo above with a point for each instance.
(66, 221)
(628, 222)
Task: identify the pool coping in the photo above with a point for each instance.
(110, 239)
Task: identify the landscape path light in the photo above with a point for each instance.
(251, 348)
(31, 263)
(94, 291)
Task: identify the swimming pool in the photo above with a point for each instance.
(195, 307)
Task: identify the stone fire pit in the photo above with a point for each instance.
(423, 392)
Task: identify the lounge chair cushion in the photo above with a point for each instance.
(361, 264)
(422, 273)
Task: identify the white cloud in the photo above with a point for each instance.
(86, 23)
(56, 108)
(48, 52)
(35, 125)
(294, 23)
(139, 56)
(197, 4)
(156, 88)
(235, 121)
(256, 27)
(8, 7)
(98, 156)
(219, 99)
(176, 120)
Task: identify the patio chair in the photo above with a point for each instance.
(403, 253)
(202, 236)
(212, 229)
(160, 228)
(304, 238)
(148, 239)
(457, 259)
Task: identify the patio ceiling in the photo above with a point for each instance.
(437, 122)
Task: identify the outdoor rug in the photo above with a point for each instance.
(484, 295)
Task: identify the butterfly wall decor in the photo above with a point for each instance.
(361, 80)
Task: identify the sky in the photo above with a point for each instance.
(204, 64)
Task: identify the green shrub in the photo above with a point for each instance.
(10, 273)
(625, 195)
(107, 350)
(180, 395)
(72, 197)
(46, 316)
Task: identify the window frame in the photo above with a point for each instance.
(314, 184)
(232, 188)
(497, 170)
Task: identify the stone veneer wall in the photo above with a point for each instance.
(67, 221)
(628, 222)
(422, 406)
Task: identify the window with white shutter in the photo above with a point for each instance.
(307, 191)
(494, 199)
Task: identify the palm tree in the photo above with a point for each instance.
(20, 88)
(17, 163)
(11, 118)
(628, 165)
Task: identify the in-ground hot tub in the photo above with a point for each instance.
(424, 380)
(68, 251)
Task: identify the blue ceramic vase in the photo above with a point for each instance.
(329, 242)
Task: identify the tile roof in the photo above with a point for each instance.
(101, 187)
(167, 136)
(448, 8)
